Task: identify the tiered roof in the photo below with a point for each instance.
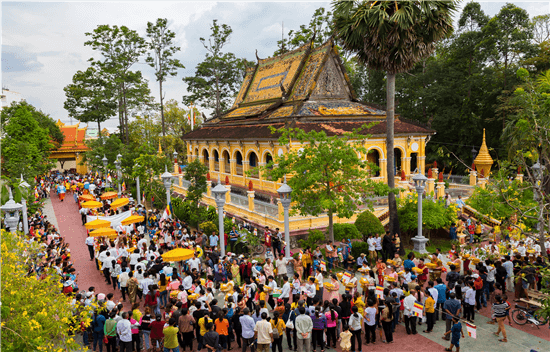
(74, 138)
(308, 88)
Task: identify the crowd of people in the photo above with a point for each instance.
(259, 302)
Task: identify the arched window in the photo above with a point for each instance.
(225, 156)
(205, 158)
(253, 163)
(216, 160)
(397, 155)
(373, 157)
(239, 162)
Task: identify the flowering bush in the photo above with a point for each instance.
(36, 316)
(434, 214)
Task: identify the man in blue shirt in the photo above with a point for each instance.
(408, 263)
(361, 259)
(452, 308)
(248, 325)
(233, 237)
(441, 298)
(213, 240)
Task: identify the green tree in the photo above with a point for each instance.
(26, 143)
(327, 174)
(149, 167)
(160, 57)
(368, 224)
(541, 28)
(90, 97)
(121, 48)
(434, 215)
(218, 78)
(392, 37)
(195, 173)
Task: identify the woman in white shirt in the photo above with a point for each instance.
(355, 323)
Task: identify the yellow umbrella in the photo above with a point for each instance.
(106, 231)
(97, 224)
(132, 220)
(92, 204)
(178, 254)
(109, 195)
(87, 197)
(119, 202)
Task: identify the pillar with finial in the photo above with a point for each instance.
(483, 160)
(430, 183)
(208, 185)
(250, 194)
(519, 176)
(473, 175)
(228, 194)
(440, 187)
(403, 185)
(435, 170)
(482, 180)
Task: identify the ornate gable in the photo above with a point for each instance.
(331, 83)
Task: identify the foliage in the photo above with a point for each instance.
(314, 238)
(195, 172)
(328, 175)
(90, 97)
(544, 312)
(359, 247)
(218, 78)
(36, 316)
(346, 231)
(160, 57)
(19, 193)
(26, 141)
(434, 214)
(208, 227)
(212, 215)
(368, 224)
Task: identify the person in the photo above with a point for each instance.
(452, 232)
(441, 298)
(281, 268)
(247, 326)
(124, 331)
(469, 302)
(334, 291)
(319, 321)
(233, 237)
(355, 323)
(452, 308)
(98, 332)
(278, 325)
(222, 328)
(304, 327)
(145, 324)
(408, 313)
(345, 339)
(211, 338)
(263, 333)
(185, 325)
(500, 308)
(110, 332)
(285, 291)
(429, 306)
(455, 332)
(386, 317)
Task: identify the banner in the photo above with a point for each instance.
(323, 266)
(418, 310)
(379, 292)
(346, 277)
(471, 328)
(115, 220)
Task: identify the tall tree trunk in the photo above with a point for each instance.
(330, 226)
(217, 92)
(120, 116)
(125, 117)
(390, 120)
(98, 129)
(162, 110)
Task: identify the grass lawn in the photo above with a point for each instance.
(443, 244)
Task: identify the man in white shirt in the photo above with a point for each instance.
(310, 291)
(408, 313)
(194, 263)
(264, 333)
(521, 249)
(371, 241)
(433, 291)
(280, 264)
(285, 291)
(273, 285)
(107, 265)
(134, 258)
(124, 331)
(90, 241)
(123, 279)
(378, 244)
(145, 283)
(320, 281)
(141, 242)
(83, 212)
(187, 282)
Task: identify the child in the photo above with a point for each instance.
(505, 299)
(456, 332)
(211, 338)
(345, 339)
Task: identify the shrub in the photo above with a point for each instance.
(346, 231)
(313, 239)
(212, 214)
(208, 227)
(367, 223)
(359, 247)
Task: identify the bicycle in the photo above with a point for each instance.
(522, 315)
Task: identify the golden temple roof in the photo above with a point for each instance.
(483, 157)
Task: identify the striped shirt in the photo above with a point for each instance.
(499, 309)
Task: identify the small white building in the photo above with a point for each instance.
(9, 96)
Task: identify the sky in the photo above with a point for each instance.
(43, 42)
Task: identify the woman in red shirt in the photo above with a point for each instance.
(156, 332)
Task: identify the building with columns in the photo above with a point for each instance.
(306, 88)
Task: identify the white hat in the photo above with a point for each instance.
(254, 261)
(241, 256)
(475, 276)
(101, 296)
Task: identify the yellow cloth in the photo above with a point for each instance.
(202, 324)
(430, 305)
(263, 296)
(360, 305)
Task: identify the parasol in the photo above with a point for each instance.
(106, 231)
(92, 204)
(97, 224)
(109, 195)
(86, 197)
(119, 203)
(132, 220)
(178, 254)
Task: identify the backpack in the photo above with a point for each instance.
(478, 284)
(276, 334)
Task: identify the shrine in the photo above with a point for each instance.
(70, 154)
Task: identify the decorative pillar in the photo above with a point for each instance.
(407, 167)
(232, 167)
(421, 163)
(435, 171)
(419, 240)
(383, 169)
(180, 180)
(209, 188)
(250, 200)
(280, 210)
(228, 194)
(246, 167)
(222, 165)
(519, 176)
(403, 185)
(482, 180)
(440, 187)
(430, 183)
(473, 175)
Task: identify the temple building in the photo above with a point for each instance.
(70, 154)
(307, 88)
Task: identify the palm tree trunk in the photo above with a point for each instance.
(390, 120)
(330, 226)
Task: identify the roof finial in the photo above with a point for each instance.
(257, 57)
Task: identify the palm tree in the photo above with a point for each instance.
(392, 36)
